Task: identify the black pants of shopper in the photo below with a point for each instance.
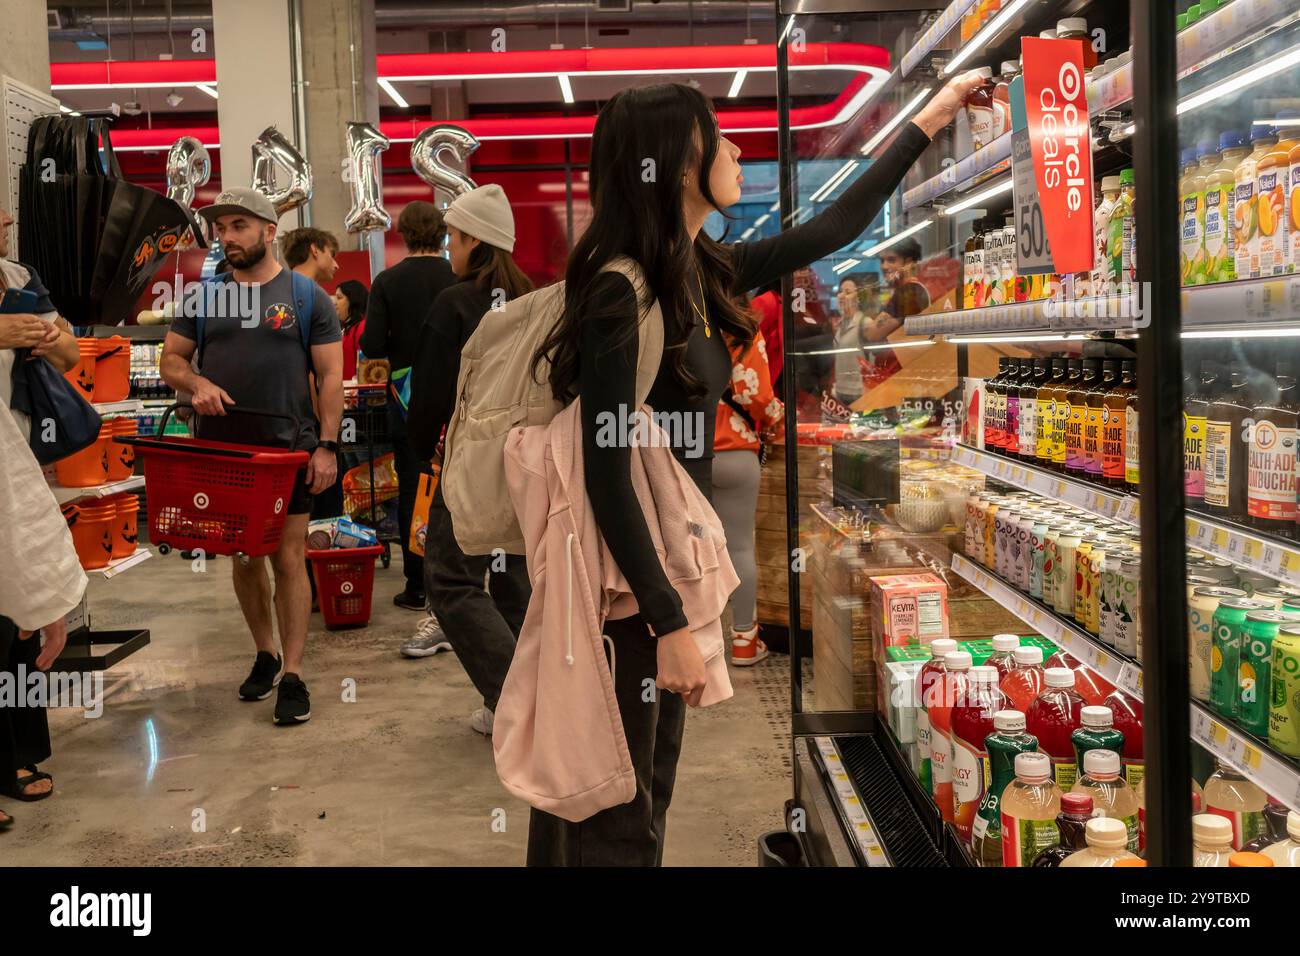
(24, 731)
(482, 625)
(631, 834)
(408, 485)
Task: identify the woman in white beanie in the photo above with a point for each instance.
(482, 626)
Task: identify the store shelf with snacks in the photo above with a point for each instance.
(1268, 770)
(114, 568)
(64, 495)
(1105, 503)
(1106, 661)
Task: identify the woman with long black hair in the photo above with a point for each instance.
(350, 300)
(659, 167)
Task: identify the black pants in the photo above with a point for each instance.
(408, 485)
(24, 731)
(631, 834)
(482, 625)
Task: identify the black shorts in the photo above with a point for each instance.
(301, 498)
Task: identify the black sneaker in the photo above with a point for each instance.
(293, 704)
(262, 679)
(410, 600)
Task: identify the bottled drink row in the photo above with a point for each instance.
(1015, 748)
(1243, 628)
(1074, 415)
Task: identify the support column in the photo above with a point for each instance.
(255, 83)
(25, 57)
(338, 61)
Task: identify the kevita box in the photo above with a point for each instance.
(908, 609)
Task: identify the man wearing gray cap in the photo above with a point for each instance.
(256, 350)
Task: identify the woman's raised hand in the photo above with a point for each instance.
(942, 109)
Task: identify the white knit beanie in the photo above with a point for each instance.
(484, 213)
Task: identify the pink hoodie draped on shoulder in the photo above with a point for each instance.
(557, 734)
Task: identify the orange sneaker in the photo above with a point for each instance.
(746, 648)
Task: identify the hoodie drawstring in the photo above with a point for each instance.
(568, 597)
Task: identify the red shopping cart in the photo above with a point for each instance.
(218, 497)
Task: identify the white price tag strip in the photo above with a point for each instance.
(1130, 679)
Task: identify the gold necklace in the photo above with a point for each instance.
(708, 330)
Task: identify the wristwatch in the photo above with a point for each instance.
(328, 445)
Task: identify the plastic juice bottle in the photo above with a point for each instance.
(1002, 98)
(1092, 687)
(1012, 286)
(1271, 470)
(1293, 206)
(1273, 173)
(1211, 840)
(973, 270)
(994, 261)
(1071, 822)
(972, 722)
(1208, 159)
(1096, 732)
(1275, 824)
(950, 688)
(1004, 646)
(1100, 284)
(1076, 28)
(1225, 447)
(1132, 471)
(1052, 718)
(931, 672)
(1007, 741)
(1284, 702)
(1191, 188)
(1287, 852)
(1245, 210)
(1046, 417)
(1119, 237)
(995, 405)
(1107, 844)
(1220, 196)
(1255, 673)
(1195, 407)
(1029, 807)
(1011, 391)
(1111, 795)
(1092, 423)
(1024, 682)
(979, 109)
(1077, 398)
(1061, 414)
(1114, 404)
(1029, 408)
(1230, 795)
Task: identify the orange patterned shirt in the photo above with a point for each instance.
(751, 386)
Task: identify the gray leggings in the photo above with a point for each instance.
(735, 499)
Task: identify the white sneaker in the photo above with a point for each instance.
(428, 640)
(481, 721)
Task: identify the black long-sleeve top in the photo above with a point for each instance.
(399, 299)
(607, 375)
(452, 319)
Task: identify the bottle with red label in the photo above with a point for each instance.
(1271, 461)
(1004, 646)
(972, 722)
(1024, 682)
(931, 673)
(1127, 713)
(1053, 718)
(950, 689)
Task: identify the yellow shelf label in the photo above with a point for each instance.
(1251, 757)
(1218, 734)
(1219, 539)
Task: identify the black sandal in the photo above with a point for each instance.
(16, 787)
(7, 822)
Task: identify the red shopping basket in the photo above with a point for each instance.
(345, 580)
(220, 497)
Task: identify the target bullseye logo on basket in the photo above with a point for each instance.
(279, 505)
(201, 501)
(346, 587)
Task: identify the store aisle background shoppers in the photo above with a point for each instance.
(481, 625)
(593, 352)
(351, 300)
(41, 580)
(265, 366)
(400, 297)
(747, 419)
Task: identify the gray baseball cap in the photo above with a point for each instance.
(240, 199)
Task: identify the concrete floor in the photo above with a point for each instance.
(178, 771)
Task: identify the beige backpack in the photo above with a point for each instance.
(497, 391)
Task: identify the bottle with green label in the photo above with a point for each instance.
(1029, 808)
(1191, 191)
(1119, 238)
(1111, 794)
(1096, 732)
(1007, 741)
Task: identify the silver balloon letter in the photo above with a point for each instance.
(429, 167)
(188, 167)
(271, 149)
(365, 143)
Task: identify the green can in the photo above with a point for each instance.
(1284, 705)
(1291, 604)
(1277, 596)
(1254, 675)
(1225, 650)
